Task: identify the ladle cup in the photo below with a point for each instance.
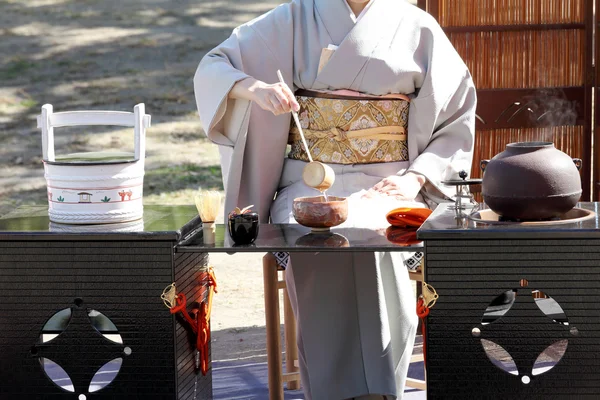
(318, 175)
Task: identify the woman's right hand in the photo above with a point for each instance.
(276, 98)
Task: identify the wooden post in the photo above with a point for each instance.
(291, 347)
(591, 81)
(272, 327)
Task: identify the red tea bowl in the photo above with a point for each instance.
(318, 214)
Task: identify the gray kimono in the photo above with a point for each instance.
(356, 313)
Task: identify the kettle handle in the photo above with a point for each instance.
(483, 164)
(578, 163)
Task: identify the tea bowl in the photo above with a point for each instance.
(318, 214)
(243, 228)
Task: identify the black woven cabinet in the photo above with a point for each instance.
(518, 315)
(81, 315)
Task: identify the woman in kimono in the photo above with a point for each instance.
(386, 101)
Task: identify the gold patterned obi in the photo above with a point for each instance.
(350, 130)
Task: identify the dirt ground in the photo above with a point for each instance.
(113, 54)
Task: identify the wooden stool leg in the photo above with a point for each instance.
(418, 276)
(291, 347)
(272, 327)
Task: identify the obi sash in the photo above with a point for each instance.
(350, 129)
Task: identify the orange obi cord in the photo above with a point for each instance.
(200, 322)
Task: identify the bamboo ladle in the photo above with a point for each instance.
(315, 173)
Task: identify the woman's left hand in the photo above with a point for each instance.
(404, 187)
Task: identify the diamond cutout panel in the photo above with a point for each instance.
(503, 321)
(84, 342)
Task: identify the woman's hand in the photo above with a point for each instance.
(405, 187)
(277, 98)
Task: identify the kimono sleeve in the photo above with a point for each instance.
(248, 52)
(442, 116)
(216, 75)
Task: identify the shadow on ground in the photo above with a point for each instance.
(109, 54)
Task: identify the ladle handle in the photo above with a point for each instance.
(297, 121)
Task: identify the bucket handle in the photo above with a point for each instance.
(138, 119)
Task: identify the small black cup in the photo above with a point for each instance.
(243, 228)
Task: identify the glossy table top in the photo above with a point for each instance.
(294, 237)
(182, 225)
(157, 223)
(445, 223)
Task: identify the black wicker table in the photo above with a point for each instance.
(518, 315)
(80, 309)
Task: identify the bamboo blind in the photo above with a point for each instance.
(509, 12)
(523, 59)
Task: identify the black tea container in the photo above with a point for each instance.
(243, 228)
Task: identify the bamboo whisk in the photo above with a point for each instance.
(208, 203)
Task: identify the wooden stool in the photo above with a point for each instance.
(274, 360)
(410, 382)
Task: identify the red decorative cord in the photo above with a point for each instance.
(201, 323)
(203, 335)
(182, 308)
(423, 312)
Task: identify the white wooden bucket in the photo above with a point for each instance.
(99, 191)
